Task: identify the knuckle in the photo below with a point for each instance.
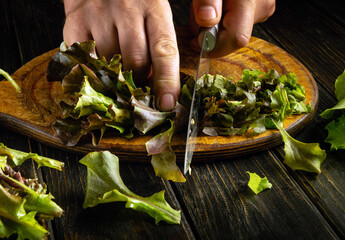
(164, 47)
(271, 6)
(137, 62)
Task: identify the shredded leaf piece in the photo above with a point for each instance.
(258, 184)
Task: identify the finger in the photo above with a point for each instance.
(164, 55)
(264, 9)
(207, 12)
(237, 26)
(134, 47)
(106, 38)
(75, 30)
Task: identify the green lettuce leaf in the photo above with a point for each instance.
(36, 201)
(14, 218)
(16, 158)
(3, 161)
(300, 155)
(328, 113)
(146, 117)
(104, 185)
(258, 184)
(163, 158)
(336, 133)
(339, 90)
(339, 87)
(10, 79)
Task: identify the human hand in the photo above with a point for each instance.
(142, 31)
(238, 18)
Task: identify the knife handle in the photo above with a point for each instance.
(211, 35)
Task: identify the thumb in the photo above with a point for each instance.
(207, 12)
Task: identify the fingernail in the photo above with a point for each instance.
(167, 102)
(207, 13)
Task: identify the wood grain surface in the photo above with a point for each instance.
(34, 111)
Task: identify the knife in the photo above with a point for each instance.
(207, 39)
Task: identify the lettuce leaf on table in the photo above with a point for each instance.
(336, 133)
(16, 158)
(339, 91)
(15, 219)
(336, 128)
(104, 185)
(258, 184)
(300, 155)
(23, 200)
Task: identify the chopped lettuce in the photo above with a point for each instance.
(336, 133)
(104, 185)
(258, 184)
(300, 155)
(94, 87)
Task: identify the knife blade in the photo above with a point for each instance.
(207, 40)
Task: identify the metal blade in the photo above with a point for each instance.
(203, 68)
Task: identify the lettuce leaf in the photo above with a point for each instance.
(336, 133)
(163, 158)
(328, 113)
(10, 79)
(16, 158)
(15, 219)
(339, 90)
(104, 185)
(258, 184)
(339, 87)
(34, 194)
(300, 155)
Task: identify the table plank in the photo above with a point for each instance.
(222, 206)
(309, 34)
(319, 42)
(113, 220)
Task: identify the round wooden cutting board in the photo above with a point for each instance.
(33, 111)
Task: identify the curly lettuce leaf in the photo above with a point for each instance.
(163, 158)
(15, 219)
(104, 185)
(300, 155)
(36, 201)
(258, 184)
(146, 117)
(336, 133)
(16, 158)
(88, 97)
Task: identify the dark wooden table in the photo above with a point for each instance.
(215, 201)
